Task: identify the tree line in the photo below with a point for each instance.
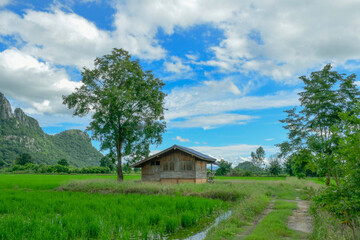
(255, 167)
(24, 163)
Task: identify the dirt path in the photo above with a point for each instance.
(254, 224)
(301, 220)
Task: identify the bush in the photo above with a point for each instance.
(23, 159)
(63, 162)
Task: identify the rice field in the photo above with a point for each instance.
(72, 215)
(97, 207)
(31, 209)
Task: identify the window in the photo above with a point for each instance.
(183, 165)
(166, 166)
(189, 165)
(153, 163)
(172, 166)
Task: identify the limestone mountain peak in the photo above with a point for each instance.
(5, 107)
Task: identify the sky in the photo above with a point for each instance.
(231, 67)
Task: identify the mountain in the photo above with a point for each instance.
(20, 133)
(246, 166)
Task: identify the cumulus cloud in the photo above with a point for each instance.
(176, 66)
(233, 153)
(212, 121)
(182, 139)
(26, 79)
(57, 37)
(279, 39)
(210, 104)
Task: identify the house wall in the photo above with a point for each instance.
(175, 167)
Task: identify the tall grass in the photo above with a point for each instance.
(43, 181)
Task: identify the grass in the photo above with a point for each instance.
(43, 181)
(247, 211)
(251, 178)
(274, 225)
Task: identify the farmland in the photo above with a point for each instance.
(97, 207)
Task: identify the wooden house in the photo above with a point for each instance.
(176, 164)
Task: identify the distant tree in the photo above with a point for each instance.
(258, 157)
(126, 168)
(224, 168)
(274, 166)
(63, 162)
(126, 103)
(288, 167)
(2, 163)
(23, 159)
(107, 161)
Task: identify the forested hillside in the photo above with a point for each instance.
(20, 133)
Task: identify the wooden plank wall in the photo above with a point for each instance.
(175, 166)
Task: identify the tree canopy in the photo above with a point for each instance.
(126, 104)
(326, 94)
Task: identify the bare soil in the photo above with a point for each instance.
(301, 219)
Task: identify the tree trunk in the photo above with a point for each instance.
(120, 176)
(327, 180)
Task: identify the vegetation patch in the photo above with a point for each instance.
(274, 225)
(251, 178)
(70, 215)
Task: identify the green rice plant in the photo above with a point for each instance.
(170, 225)
(188, 219)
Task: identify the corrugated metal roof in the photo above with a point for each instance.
(199, 154)
(181, 148)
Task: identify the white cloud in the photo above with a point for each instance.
(176, 66)
(3, 3)
(269, 139)
(232, 153)
(38, 84)
(212, 121)
(280, 39)
(210, 104)
(182, 139)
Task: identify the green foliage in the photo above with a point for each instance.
(127, 105)
(224, 168)
(275, 167)
(326, 94)
(107, 162)
(63, 162)
(342, 199)
(2, 163)
(23, 159)
(302, 164)
(36, 168)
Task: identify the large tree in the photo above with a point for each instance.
(126, 104)
(326, 94)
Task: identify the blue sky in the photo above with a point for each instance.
(231, 67)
